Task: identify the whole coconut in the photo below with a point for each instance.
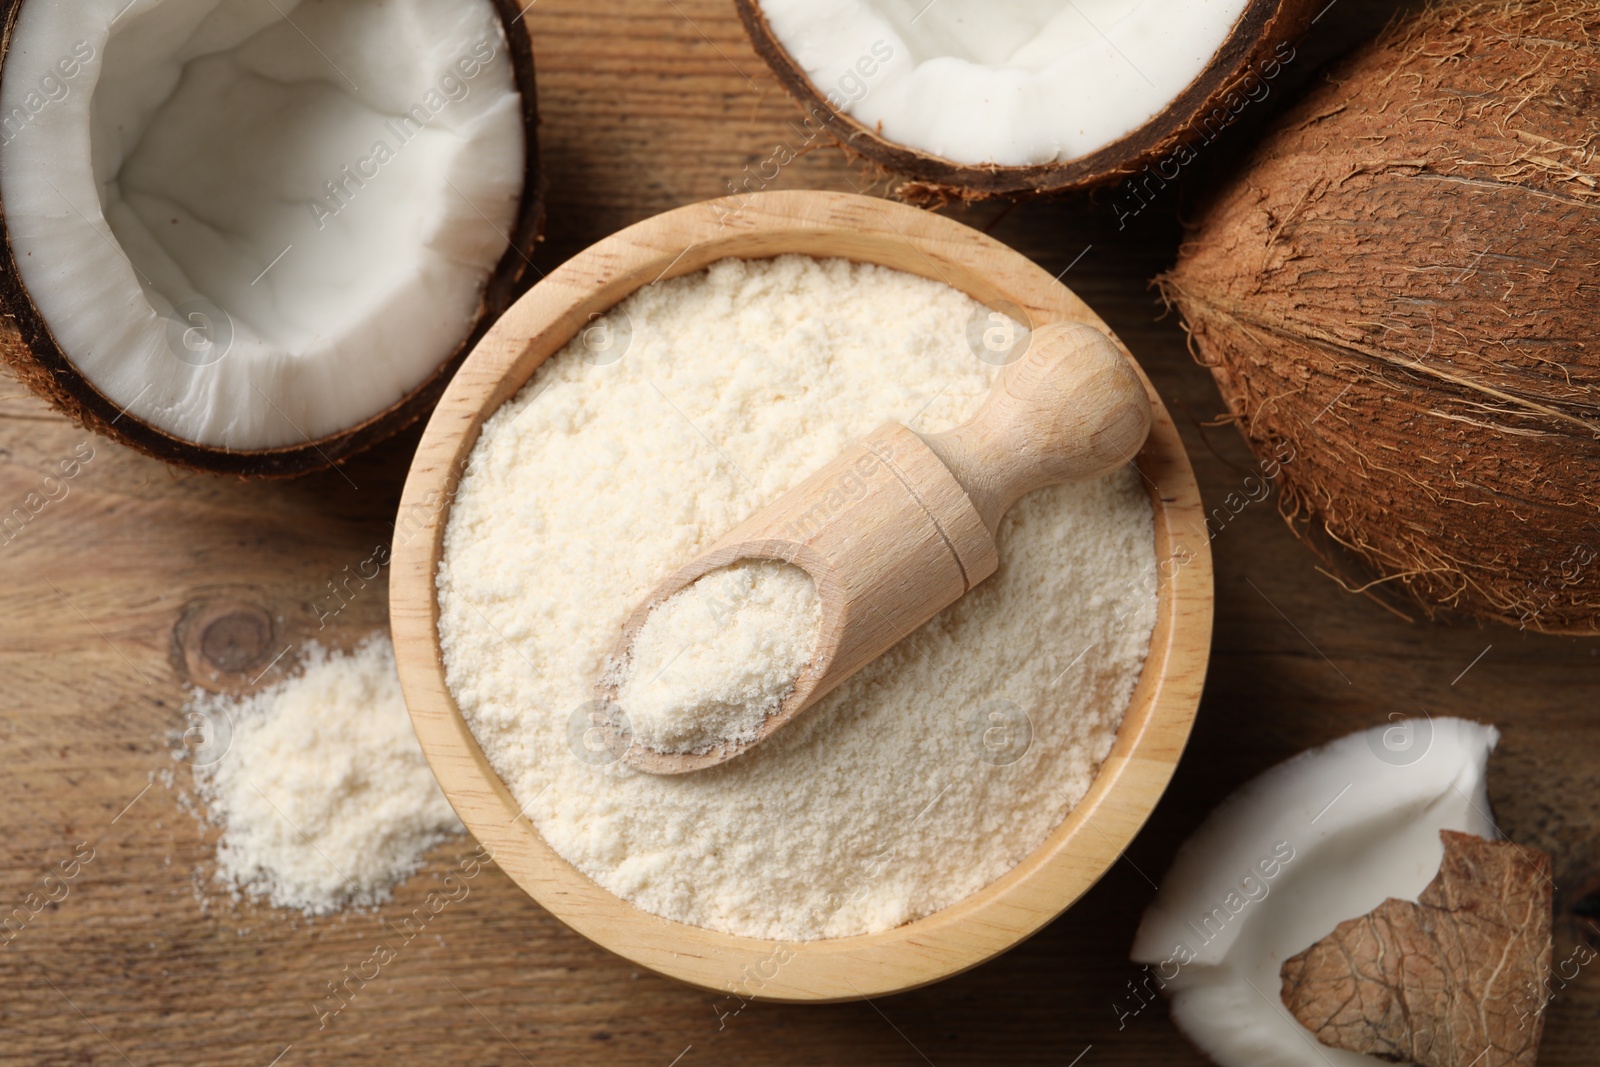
(1401, 286)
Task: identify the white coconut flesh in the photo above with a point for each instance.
(1004, 82)
(1361, 817)
(254, 223)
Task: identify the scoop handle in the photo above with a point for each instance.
(1071, 408)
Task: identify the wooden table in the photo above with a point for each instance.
(648, 105)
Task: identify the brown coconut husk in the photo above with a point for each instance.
(1401, 283)
(1454, 979)
(1209, 104)
(34, 358)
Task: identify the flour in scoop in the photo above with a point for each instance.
(715, 659)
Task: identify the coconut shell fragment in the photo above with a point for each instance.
(1450, 981)
(1399, 285)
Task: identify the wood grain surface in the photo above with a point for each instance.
(132, 581)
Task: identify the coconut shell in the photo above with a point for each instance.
(1399, 286)
(1454, 979)
(36, 360)
(1250, 55)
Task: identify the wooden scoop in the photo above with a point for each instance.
(900, 525)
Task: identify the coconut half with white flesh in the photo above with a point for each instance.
(972, 99)
(1321, 838)
(253, 236)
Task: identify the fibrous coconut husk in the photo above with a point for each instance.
(1400, 283)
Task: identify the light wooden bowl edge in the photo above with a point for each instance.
(1130, 781)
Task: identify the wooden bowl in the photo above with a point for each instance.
(1154, 729)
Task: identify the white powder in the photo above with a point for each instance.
(712, 661)
(922, 779)
(323, 794)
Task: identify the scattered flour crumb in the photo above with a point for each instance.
(323, 794)
(713, 660)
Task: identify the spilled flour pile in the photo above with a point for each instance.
(712, 661)
(884, 802)
(323, 794)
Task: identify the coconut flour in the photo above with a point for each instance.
(322, 792)
(712, 661)
(920, 780)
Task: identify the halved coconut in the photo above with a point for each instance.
(980, 98)
(255, 236)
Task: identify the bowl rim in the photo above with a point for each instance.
(1094, 834)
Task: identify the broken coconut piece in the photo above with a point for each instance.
(978, 98)
(253, 236)
(1450, 981)
(1323, 837)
